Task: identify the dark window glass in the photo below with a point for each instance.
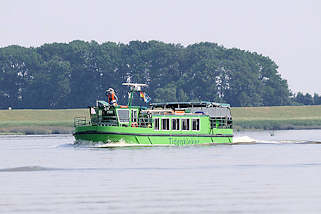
(165, 124)
(196, 124)
(175, 124)
(185, 124)
(134, 116)
(156, 124)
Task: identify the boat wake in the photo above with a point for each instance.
(248, 140)
(242, 140)
(84, 143)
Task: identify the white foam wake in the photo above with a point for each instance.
(243, 139)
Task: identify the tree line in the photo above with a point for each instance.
(306, 99)
(76, 74)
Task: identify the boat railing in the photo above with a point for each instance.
(109, 120)
(80, 121)
(104, 121)
(145, 122)
(221, 122)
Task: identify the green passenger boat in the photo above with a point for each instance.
(172, 123)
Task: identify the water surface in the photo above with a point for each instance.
(48, 174)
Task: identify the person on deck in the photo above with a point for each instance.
(112, 98)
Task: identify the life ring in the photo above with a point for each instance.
(134, 124)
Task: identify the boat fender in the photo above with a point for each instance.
(134, 124)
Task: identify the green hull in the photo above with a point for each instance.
(148, 136)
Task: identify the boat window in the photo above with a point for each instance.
(165, 124)
(185, 124)
(134, 116)
(156, 124)
(175, 124)
(196, 124)
(123, 115)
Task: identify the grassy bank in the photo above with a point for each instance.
(42, 121)
(61, 121)
(277, 117)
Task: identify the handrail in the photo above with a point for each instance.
(221, 122)
(80, 121)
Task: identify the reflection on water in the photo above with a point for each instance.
(276, 174)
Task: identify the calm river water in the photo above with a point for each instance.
(48, 174)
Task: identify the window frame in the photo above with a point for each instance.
(199, 124)
(158, 127)
(179, 124)
(189, 125)
(118, 118)
(134, 116)
(161, 124)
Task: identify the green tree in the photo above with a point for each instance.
(16, 65)
(75, 74)
(316, 99)
(49, 87)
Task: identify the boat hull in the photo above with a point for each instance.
(147, 136)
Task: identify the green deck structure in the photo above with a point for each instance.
(174, 123)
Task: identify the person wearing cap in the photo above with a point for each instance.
(112, 98)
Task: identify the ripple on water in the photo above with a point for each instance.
(54, 175)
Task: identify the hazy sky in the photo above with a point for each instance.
(288, 31)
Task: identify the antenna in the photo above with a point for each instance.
(133, 87)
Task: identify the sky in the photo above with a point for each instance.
(287, 31)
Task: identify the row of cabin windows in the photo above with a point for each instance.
(177, 124)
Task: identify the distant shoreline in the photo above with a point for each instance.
(45, 130)
(60, 121)
(276, 125)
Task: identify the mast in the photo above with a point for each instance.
(133, 87)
